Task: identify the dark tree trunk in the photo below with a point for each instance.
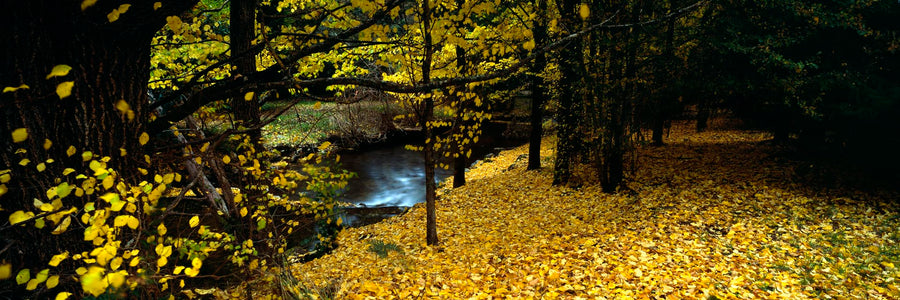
(537, 91)
(110, 63)
(702, 116)
(569, 65)
(431, 237)
(668, 98)
(459, 161)
(243, 29)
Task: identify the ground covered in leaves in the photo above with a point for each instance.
(715, 215)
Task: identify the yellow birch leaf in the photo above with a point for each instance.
(248, 96)
(5, 271)
(71, 151)
(19, 217)
(24, 162)
(84, 5)
(157, 5)
(41, 167)
(194, 221)
(59, 70)
(53, 281)
(64, 89)
(19, 135)
(226, 159)
(58, 259)
(161, 229)
(584, 11)
(13, 89)
(243, 212)
(23, 276)
(63, 225)
(144, 138)
(47, 144)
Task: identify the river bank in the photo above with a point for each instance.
(715, 214)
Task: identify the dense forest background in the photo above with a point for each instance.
(141, 154)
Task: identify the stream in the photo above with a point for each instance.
(390, 179)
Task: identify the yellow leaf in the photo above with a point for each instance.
(53, 281)
(19, 217)
(84, 5)
(5, 271)
(134, 262)
(157, 5)
(19, 135)
(3, 189)
(114, 15)
(161, 229)
(144, 138)
(71, 151)
(59, 70)
(23, 276)
(64, 89)
(248, 96)
(528, 45)
(87, 155)
(243, 212)
(13, 89)
(123, 106)
(24, 162)
(226, 159)
(194, 221)
(41, 167)
(47, 144)
(63, 295)
(584, 11)
(63, 225)
(887, 265)
(324, 145)
(58, 258)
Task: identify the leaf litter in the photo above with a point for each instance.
(713, 215)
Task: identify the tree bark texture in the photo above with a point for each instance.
(110, 62)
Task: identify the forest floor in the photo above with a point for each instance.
(714, 215)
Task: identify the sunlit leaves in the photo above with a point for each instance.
(19, 217)
(194, 221)
(64, 89)
(58, 258)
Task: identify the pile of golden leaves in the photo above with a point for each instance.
(714, 215)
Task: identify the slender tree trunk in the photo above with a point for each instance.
(459, 161)
(430, 197)
(243, 31)
(668, 98)
(537, 90)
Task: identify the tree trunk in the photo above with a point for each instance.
(459, 161)
(431, 237)
(110, 63)
(537, 91)
(243, 31)
(569, 65)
